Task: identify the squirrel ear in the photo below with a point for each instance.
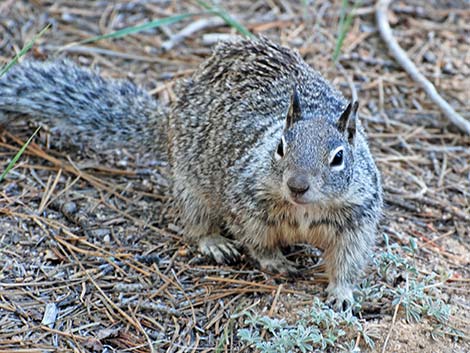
(294, 112)
(347, 121)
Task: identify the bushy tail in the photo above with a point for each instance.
(109, 113)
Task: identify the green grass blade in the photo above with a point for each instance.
(170, 20)
(18, 155)
(227, 18)
(344, 25)
(23, 51)
(142, 27)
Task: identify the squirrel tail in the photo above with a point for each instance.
(106, 112)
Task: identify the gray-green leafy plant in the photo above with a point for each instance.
(397, 282)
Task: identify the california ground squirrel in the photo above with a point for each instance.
(259, 144)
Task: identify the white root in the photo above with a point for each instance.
(401, 57)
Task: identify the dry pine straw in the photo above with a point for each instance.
(86, 230)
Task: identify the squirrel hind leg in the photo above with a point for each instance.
(221, 249)
(274, 261)
(200, 226)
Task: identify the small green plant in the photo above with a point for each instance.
(418, 295)
(345, 20)
(23, 51)
(3, 70)
(142, 27)
(17, 156)
(226, 17)
(319, 328)
(401, 284)
(397, 282)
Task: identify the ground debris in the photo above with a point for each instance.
(96, 265)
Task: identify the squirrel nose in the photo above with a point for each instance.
(298, 184)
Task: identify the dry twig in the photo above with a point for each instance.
(412, 70)
(192, 28)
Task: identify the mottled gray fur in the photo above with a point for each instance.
(83, 105)
(225, 129)
(259, 144)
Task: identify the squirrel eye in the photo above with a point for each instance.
(337, 160)
(280, 149)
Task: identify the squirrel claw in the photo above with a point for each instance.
(278, 264)
(220, 249)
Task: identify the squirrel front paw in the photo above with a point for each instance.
(222, 250)
(340, 297)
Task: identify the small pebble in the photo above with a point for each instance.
(100, 233)
(448, 68)
(372, 105)
(67, 17)
(50, 315)
(430, 57)
(12, 189)
(366, 28)
(70, 208)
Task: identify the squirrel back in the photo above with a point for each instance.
(85, 106)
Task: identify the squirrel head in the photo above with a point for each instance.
(315, 156)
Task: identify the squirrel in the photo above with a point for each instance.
(258, 143)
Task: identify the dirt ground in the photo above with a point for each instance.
(83, 233)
